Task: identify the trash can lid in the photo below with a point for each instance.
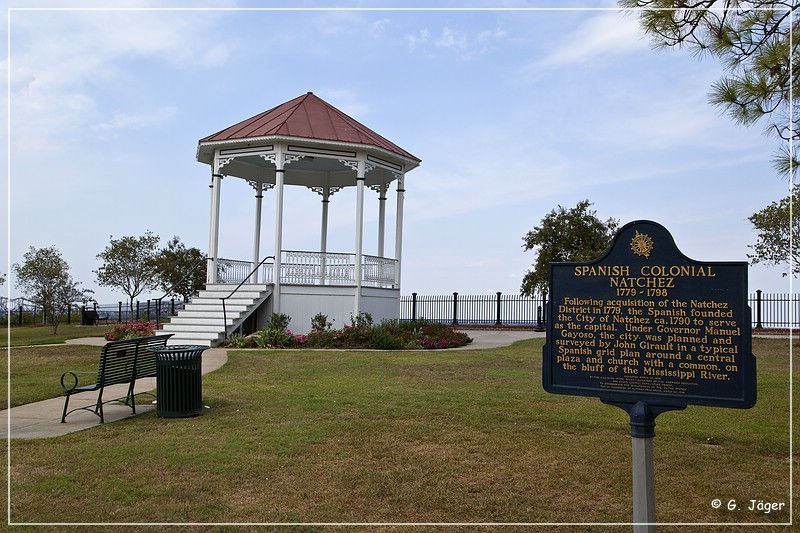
(179, 349)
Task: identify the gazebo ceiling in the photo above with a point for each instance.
(317, 137)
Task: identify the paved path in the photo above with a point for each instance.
(43, 419)
(494, 338)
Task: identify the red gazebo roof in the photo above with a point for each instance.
(308, 117)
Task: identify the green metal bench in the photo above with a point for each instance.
(121, 362)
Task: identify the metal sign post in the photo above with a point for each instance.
(643, 426)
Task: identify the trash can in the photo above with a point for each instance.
(179, 384)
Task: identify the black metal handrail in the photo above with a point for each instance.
(169, 291)
(247, 277)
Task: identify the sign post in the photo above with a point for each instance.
(649, 330)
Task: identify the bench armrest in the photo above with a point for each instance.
(75, 379)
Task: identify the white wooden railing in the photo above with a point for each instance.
(316, 268)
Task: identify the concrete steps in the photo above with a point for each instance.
(203, 321)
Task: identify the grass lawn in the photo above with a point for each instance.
(434, 436)
(35, 335)
(36, 370)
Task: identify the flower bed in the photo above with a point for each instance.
(130, 330)
(360, 334)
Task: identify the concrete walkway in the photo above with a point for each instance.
(494, 338)
(43, 419)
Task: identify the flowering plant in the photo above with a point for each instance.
(130, 330)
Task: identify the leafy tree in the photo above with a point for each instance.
(777, 232)
(752, 41)
(44, 278)
(565, 235)
(129, 264)
(175, 263)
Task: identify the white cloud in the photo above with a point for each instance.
(453, 39)
(64, 62)
(464, 45)
(347, 101)
(609, 34)
(418, 40)
(120, 120)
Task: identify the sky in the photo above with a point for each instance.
(513, 112)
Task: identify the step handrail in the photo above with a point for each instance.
(169, 291)
(224, 312)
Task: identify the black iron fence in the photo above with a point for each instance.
(475, 310)
(780, 310)
(769, 310)
(24, 311)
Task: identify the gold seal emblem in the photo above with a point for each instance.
(642, 244)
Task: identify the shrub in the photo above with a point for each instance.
(320, 323)
(274, 338)
(240, 341)
(384, 339)
(279, 321)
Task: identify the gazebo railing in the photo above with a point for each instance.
(316, 268)
(233, 270)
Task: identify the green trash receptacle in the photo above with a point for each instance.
(179, 380)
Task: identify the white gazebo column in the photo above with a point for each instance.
(398, 240)
(276, 273)
(213, 227)
(361, 170)
(323, 240)
(381, 217)
(326, 198)
(259, 187)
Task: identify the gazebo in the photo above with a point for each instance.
(309, 143)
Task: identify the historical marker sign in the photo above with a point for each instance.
(646, 323)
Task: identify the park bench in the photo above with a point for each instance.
(121, 362)
(90, 317)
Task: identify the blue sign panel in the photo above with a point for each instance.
(646, 323)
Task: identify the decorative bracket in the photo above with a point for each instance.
(291, 158)
(321, 190)
(351, 164)
(260, 186)
(222, 161)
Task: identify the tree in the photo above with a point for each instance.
(752, 41)
(777, 232)
(44, 278)
(129, 264)
(565, 235)
(175, 263)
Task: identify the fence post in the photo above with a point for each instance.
(497, 322)
(138, 311)
(148, 310)
(413, 306)
(119, 313)
(455, 308)
(758, 309)
(172, 310)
